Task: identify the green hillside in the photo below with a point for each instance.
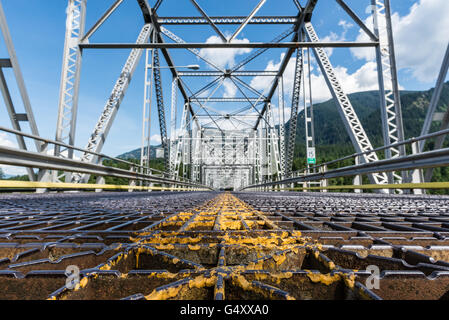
(332, 140)
(135, 154)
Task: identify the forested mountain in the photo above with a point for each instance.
(332, 140)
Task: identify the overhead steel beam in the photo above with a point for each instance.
(146, 10)
(227, 20)
(303, 15)
(391, 111)
(173, 120)
(100, 21)
(258, 52)
(18, 74)
(244, 23)
(431, 113)
(211, 23)
(357, 20)
(235, 73)
(158, 4)
(234, 45)
(152, 17)
(177, 39)
(217, 99)
(14, 118)
(161, 108)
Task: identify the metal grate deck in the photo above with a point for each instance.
(223, 246)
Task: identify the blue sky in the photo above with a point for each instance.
(38, 28)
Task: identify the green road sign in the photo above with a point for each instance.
(311, 156)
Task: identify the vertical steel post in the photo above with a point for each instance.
(417, 174)
(281, 126)
(391, 112)
(357, 178)
(173, 119)
(145, 149)
(70, 81)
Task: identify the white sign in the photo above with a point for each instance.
(311, 156)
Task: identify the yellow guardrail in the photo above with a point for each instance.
(62, 185)
(426, 185)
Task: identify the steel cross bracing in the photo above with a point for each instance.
(245, 142)
(275, 167)
(173, 119)
(294, 111)
(308, 114)
(104, 124)
(16, 117)
(160, 108)
(282, 156)
(393, 131)
(352, 123)
(225, 20)
(70, 80)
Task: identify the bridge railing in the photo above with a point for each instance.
(410, 164)
(46, 161)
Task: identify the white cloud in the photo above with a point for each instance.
(155, 139)
(417, 50)
(364, 79)
(420, 39)
(6, 141)
(345, 25)
(13, 171)
(276, 116)
(263, 83)
(332, 37)
(224, 58)
(230, 90)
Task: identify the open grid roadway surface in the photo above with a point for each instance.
(209, 245)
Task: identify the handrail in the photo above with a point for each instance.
(133, 165)
(408, 141)
(344, 171)
(62, 144)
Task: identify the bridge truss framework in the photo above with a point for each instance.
(245, 146)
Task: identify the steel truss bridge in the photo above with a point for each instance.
(215, 142)
(222, 142)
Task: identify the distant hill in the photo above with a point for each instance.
(331, 137)
(135, 154)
